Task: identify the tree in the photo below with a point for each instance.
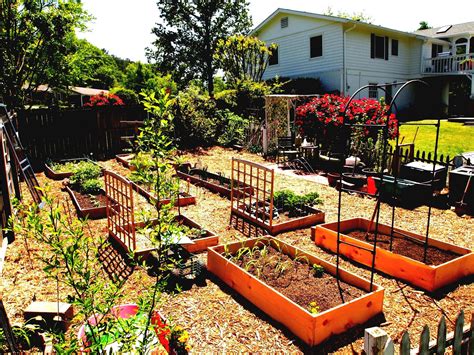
(356, 16)
(93, 67)
(187, 38)
(424, 25)
(35, 38)
(243, 57)
(142, 77)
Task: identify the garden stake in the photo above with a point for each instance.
(462, 207)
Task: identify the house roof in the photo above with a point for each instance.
(454, 30)
(330, 18)
(87, 91)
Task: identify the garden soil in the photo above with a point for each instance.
(218, 319)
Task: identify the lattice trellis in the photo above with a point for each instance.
(120, 211)
(256, 203)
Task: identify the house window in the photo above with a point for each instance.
(273, 60)
(461, 46)
(395, 47)
(378, 47)
(316, 46)
(373, 92)
(436, 49)
(284, 22)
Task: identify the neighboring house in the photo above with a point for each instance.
(74, 95)
(346, 54)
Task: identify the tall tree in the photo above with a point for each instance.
(187, 38)
(91, 66)
(35, 37)
(424, 25)
(242, 57)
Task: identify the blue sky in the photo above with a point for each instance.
(123, 27)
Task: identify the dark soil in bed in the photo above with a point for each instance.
(297, 281)
(90, 201)
(407, 247)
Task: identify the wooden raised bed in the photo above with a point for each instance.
(184, 199)
(200, 244)
(125, 160)
(311, 328)
(213, 182)
(427, 277)
(84, 212)
(314, 216)
(49, 172)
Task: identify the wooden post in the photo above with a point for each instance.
(375, 342)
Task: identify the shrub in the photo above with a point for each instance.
(322, 117)
(104, 99)
(289, 201)
(234, 128)
(129, 97)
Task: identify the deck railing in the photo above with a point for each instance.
(462, 63)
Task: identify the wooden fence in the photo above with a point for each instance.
(72, 133)
(407, 154)
(461, 340)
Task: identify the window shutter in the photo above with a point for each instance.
(434, 52)
(372, 46)
(386, 48)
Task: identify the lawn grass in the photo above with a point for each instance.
(454, 138)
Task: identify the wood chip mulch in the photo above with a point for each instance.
(220, 320)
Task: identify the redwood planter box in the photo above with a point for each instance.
(311, 328)
(91, 213)
(213, 184)
(427, 277)
(49, 172)
(184, 198)
(200, 244)
(125, 160)
(314, 216)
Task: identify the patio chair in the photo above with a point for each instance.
(286, 150)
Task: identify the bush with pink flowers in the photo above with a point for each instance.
(322, 117)
(104, 99)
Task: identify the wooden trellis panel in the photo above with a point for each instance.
(257, 206)
(120, 213)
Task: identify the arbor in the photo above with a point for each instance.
(242, 57)
(35, 38)
(187, 38)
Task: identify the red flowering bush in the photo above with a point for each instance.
(322, 116)
(104, 99)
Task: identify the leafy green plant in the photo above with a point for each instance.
(234, 132)
(313, 307)
(318, 270)
(85, 177)
(287, 200)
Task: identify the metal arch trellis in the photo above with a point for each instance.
(346, 139)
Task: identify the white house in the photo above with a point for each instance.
(346, 54)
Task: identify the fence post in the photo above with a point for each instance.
(425, 341)
(458, 333)
(377, 342)
(441, 341)
(405, 344)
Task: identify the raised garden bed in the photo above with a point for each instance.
(184, 199)
(446, 263)
(126, 160)
(311, 308)
(211, 181)
(89, 206)
(201, 237)
(56, 174)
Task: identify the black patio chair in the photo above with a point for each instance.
(286, 150)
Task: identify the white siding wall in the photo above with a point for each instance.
(294, 49)
(363, 70)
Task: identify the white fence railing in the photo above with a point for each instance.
(449, 64)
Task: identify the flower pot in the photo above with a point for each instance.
(125, 311)
(333, 179)
(358, 180)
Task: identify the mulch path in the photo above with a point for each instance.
(407, 247)
(218, 319)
